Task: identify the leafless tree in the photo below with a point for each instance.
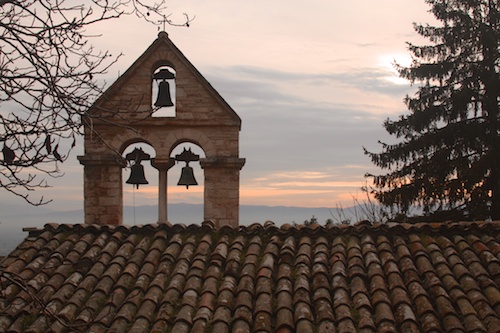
(49, 76)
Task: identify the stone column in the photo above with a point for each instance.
(102, 188)
(162, 166)
(222, 189)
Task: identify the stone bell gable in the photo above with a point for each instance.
(126, 114)
(197, 102)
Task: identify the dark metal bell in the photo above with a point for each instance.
(137, 176)
(187, 177)
(163, 98)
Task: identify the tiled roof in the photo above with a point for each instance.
(441, 277)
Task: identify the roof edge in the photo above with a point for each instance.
(283, 229)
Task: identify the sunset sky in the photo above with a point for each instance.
(311, 80)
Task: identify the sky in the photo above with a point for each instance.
(312, 81)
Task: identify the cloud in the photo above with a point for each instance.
(305, 79)
(372, 88)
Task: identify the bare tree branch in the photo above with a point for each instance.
(48, 78)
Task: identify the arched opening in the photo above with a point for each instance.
(163, 92)
(140, 183)
(185, 202)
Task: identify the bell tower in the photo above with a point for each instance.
(131, 111)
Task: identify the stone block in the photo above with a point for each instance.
(109, 201)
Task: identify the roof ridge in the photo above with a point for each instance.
(270, 226)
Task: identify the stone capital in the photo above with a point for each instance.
(222, 162)
(105, 160)
(162, 164)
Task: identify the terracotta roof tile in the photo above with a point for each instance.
(284, 318)
(360, 295)
(243, 313)
(346, 325)
(320, 285)
(305, 326)
(439, 277)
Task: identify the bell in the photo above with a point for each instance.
(137, 175)
(187, 177)
(163, 98)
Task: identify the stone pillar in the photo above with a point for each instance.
(162, 166)
(102, 188)
(222, 189)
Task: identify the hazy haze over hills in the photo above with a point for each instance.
(11, 223)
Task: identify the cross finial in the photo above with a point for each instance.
(165, 20)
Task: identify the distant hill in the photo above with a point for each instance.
(177, 213)
(13, 220)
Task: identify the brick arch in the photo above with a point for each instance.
(194, 136)
(160, 63)
(181, 142)
(133, 141)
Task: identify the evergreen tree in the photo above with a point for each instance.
(448, 155)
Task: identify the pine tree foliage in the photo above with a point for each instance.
(448, 155)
